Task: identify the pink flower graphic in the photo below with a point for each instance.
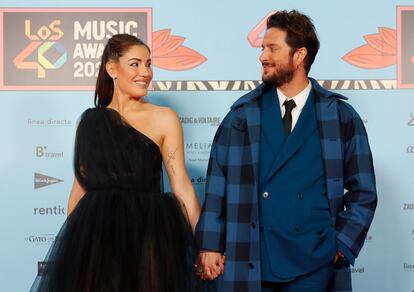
(380, 51)
(169, 54)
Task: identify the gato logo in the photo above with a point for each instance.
(44, 40)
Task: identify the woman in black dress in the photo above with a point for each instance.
(123, 233)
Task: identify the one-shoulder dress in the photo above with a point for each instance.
(125, 233)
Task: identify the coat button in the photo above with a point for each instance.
(297, 228)
(265, 194)
(251, 266)
(253, 225)
(300, 196)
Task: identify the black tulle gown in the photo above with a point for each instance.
(125, 234)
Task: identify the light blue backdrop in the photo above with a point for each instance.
(218, 30)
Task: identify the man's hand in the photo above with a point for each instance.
(210, 265)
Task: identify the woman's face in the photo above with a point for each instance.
(133, 72)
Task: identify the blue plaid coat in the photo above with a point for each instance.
(230, 214)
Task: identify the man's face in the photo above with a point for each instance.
(277, 62)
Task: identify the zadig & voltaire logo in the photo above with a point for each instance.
(205, 120)
(41, 180)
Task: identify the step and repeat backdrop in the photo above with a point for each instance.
(205, 55)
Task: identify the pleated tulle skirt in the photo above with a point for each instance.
(122, 240)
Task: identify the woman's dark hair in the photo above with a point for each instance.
(300, 33)
(117, 45)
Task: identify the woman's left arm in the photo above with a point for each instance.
(172, 150)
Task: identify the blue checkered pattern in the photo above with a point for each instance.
(230, 214)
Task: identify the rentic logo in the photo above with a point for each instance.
(43, 42)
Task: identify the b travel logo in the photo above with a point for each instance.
(52, 49)
(357, 270)
(42, 180)
(43, 152)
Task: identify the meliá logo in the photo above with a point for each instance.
(41, 180)
(42, 152)
(42, 43)
(44, 239)
(198, 146)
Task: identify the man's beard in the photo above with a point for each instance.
(281, 75)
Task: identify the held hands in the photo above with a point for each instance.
(210, 265)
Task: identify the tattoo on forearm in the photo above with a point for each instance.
(171, 157)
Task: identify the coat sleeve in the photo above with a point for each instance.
(211, 227)
(360, 198)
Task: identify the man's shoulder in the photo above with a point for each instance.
(346, 111)
(251, 96)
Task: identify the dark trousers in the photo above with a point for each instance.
(316, 281)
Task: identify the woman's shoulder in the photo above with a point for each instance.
(163, 114)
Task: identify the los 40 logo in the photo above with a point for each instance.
(60, 48)
(42, 41)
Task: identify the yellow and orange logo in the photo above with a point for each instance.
(44, 40)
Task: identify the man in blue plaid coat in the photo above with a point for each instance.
(290, 190)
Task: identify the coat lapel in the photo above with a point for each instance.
(272, 125)
(300, 134)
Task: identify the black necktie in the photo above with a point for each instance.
(287, 119)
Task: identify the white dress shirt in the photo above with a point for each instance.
(300, 100)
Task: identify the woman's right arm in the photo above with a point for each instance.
(76, 194)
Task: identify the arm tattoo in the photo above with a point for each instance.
(171, 156)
